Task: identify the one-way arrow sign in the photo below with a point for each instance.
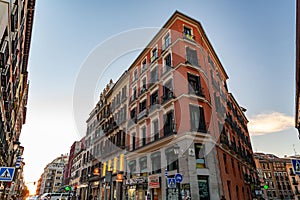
(7, 173)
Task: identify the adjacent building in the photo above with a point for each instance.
(16, 22)
(277, 177)
(297, 99)
(51, 179)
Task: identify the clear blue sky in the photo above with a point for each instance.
(255, 41)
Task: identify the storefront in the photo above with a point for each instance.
(155, 187)
(137, 188)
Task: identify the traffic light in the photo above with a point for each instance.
(67, 188)
(266, 186)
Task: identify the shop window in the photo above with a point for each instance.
(156, 163)
(132, 167)
(199, 153)
(203, 187)
(143, 164)
(172, 159)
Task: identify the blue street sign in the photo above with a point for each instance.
(178, 178)
(171, 183)
(7, 173)
(296, 166)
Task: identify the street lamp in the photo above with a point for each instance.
(176, 149)
(88, 192)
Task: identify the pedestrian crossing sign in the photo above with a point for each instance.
(296, 166)
(7, 173)
(171, 183)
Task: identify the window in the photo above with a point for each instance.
(167, 63)
(134, 94)
(153, 76)
(133, 141)
(191, 57)
(187, 33)
(144, 86)
(154, 55)
(155, 129)
(197, 119)
(133, 113)
(132, 167)
(194, 85)
(232, 165)
(135, 75)
(172, 159)
(124, 92)
(144, 65)
(166, 42)
(169, 127)
(143, 136)
(199, 151)
(143, 105)
(156, 163)
(225, 162)
(143, 164)
(154, 98)
(168, 91)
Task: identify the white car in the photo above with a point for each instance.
(32, 198)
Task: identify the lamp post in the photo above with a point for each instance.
(88, 192)
(176, 149)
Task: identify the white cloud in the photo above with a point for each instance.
(262, 124)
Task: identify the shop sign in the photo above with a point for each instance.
(138, 180)
(153, 181)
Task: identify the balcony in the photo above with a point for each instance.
(133, 98)
(295, 182)
(167, 97)
(165, 69)
(132, 121)
(189, 37)
(153, 58)
(165, 46)
(143, 90)
(4, 54)
(142, 114)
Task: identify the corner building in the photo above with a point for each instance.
(179, 107)
(169, 128)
